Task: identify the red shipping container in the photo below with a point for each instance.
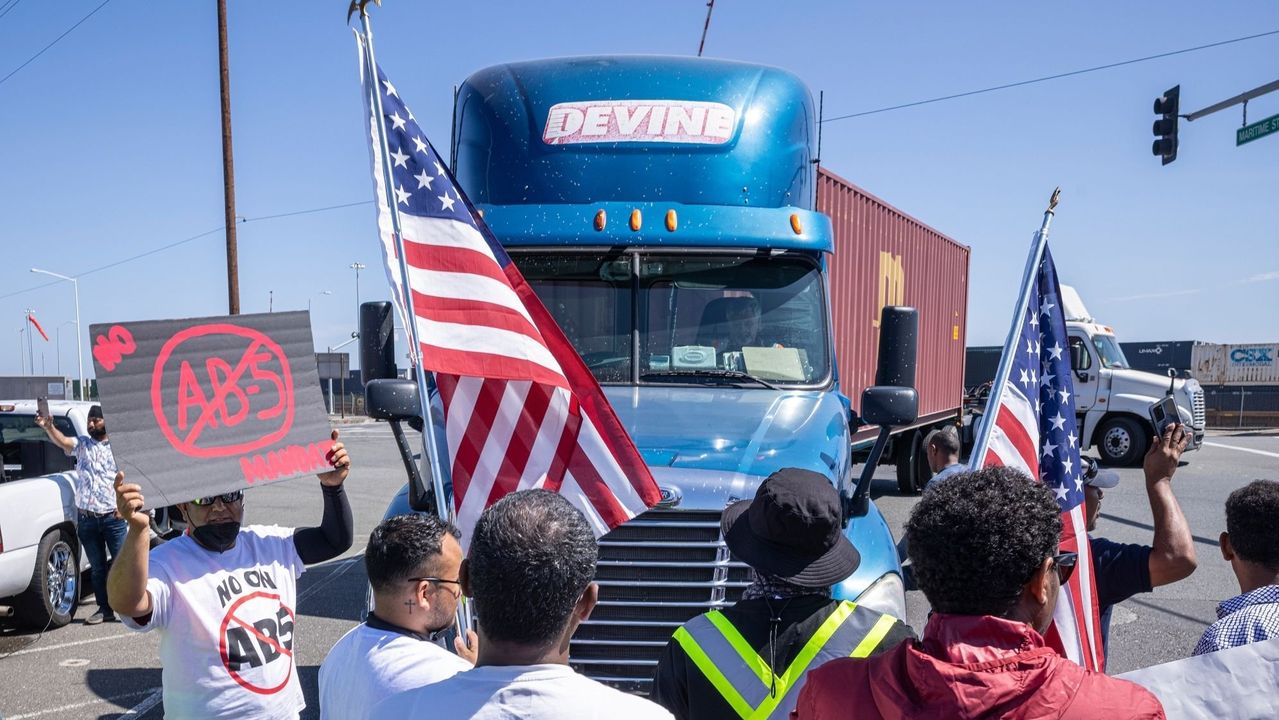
(886, 257)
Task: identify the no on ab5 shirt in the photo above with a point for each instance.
(227, 626)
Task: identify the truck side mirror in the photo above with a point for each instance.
(892, 401)
(377, 341)
(898, 327)
(888, 405)
(392, 399)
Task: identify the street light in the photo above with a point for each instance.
(79, 349)
(357, 267)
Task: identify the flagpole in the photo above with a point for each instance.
(1038, 243)
(443, 504)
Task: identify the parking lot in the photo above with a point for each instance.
(104, 671)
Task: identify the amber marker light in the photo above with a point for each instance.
(637, 219)
(601, 219)
(672, 221)
(795, 224)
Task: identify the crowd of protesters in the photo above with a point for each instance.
(982, 545)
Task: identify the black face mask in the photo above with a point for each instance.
(218, 537)
(100, 433)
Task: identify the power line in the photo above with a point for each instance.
(55, 40)
(10, 5)
(305, 212)
(184, 241)
(1046, 78)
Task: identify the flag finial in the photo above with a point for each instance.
(1052, 201)
(359, 5)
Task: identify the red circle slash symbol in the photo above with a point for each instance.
(208, 395)
(256, 642)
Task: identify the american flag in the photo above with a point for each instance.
(1033, 429)
(520, 408)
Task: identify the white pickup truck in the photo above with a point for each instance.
(41, 564)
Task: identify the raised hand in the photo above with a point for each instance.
(340, 461)
(1165, 452)
(129, 503)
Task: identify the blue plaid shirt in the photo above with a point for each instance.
(1248, 618)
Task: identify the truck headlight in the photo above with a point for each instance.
(887, 595)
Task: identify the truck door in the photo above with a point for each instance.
(1087, 373)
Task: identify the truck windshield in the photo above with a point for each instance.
(703, 319)
(1111, 354)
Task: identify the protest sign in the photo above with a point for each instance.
(1240, 682)
(204, 406)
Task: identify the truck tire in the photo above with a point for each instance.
(903, 446)
(1122, 441)
(913, 472)
(51, 598)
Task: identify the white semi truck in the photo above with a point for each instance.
(1113, 400)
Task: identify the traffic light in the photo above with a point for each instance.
(1165, 145)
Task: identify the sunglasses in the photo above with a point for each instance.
(438, 581)
(226, 498)
(1065, 565)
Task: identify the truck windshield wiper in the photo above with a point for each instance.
(735, 376)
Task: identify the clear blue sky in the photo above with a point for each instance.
(110, 144)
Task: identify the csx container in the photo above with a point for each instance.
(1247, 364)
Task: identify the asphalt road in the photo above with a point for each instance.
(105, 671)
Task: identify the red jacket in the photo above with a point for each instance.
(970, 667)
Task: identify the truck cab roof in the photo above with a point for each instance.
(641, 150)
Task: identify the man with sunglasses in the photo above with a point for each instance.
(1123, 570)
(413, 562)
(224, 597)
(985, 549)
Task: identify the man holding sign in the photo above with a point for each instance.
(224, 597)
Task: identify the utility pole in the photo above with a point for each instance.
(228, 171)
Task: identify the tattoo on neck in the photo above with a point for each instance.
(410, 604)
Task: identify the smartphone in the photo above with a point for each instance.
(42, 406)
(1164, 413)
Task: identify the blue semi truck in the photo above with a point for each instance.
(662, 209)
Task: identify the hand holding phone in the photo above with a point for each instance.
(1164, 413)
(42, 407)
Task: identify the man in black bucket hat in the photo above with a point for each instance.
(751, 659)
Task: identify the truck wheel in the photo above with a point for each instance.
(1122, 441)
(902, 451)
(51, 598)
(919, 457)
(912, 467)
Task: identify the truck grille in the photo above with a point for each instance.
(1197, 407)
(655, 573)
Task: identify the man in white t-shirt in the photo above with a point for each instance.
(223, 598)
(529, 570)
(413, 563)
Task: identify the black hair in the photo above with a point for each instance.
(1251, 514)
(403, 546)
(976, 539)
(945, 439)
(532, 556)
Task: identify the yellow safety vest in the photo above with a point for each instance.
(745, 680)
